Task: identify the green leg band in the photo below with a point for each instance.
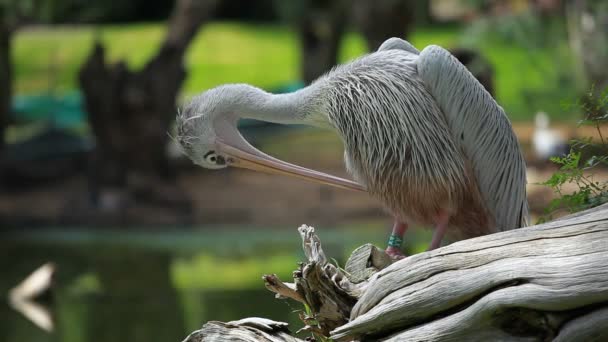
(395, 241)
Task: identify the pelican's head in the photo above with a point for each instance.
(207, 131)
(196, 132)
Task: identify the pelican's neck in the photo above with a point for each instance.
(300, 107)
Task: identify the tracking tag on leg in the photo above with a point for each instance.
(395, 241)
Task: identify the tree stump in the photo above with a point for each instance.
(130, 113)
(541, 283)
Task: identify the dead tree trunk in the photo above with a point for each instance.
(382, 19)
(541, 283)
(130, 112)
(320, 28)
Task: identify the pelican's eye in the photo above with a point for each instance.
(212, 158)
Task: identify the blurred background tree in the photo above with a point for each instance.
(587, 22)
(320, 25)
(130, 114)
(12, 15)
(538, 29)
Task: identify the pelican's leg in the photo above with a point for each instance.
(441, 225)
(395, 240)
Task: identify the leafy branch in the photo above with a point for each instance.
(586, 154)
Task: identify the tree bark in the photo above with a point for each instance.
(130, 112)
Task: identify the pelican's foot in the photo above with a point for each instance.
(394, 253)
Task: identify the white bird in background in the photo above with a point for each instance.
(547, 142)
(420, 134)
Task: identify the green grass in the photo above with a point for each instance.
(263, 55)
(223, 52)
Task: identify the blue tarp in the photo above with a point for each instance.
(66, 111)
(59, 111)
(64, 115)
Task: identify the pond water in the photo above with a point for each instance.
(142, 285)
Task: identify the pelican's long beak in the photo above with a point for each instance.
(246, 156)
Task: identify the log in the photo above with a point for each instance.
(520, 285)
(253, 329)
(541, 283)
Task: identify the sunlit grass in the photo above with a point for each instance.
(222, 52)
(263, 55)
(210, 272)
(267, 56)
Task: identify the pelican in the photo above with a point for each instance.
(420, 134)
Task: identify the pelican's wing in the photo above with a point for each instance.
(398, 44)
(484, 132)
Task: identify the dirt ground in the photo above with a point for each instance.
(240, 196)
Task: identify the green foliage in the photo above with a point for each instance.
(585, 155)
(532, 59)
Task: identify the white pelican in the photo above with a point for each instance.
(420, 134)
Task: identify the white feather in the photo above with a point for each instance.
(484, 133)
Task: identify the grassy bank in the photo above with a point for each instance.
(263, 55)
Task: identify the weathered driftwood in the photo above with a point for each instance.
(547, 282)
(364, 262)
(318, 284)
(246, 330)
(521, 285)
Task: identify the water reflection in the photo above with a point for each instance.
(154, 286)
(23, 297)
(139, 302)
(102, 293)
